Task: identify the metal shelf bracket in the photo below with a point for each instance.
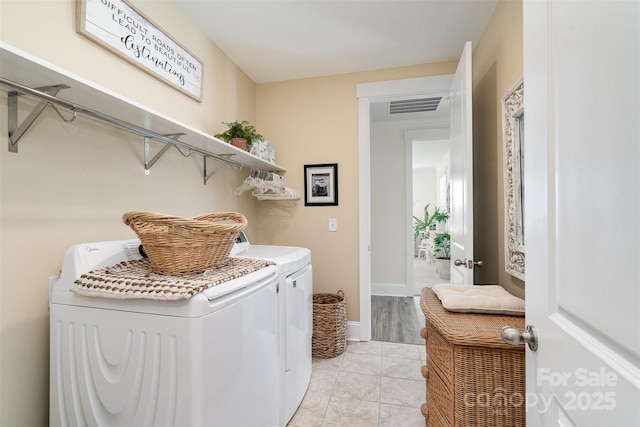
(206, 176)
(147, 149)
(16, 131)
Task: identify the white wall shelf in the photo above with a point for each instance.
(23, 75)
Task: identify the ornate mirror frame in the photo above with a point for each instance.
(513, 142)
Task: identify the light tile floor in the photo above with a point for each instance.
(371, 384)
(425, 274)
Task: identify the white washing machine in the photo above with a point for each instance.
(295, 299)
(211, 360)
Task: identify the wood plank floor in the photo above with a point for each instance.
(395, 319)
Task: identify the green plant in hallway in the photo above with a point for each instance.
(428, 223)
(442, 252)
(440, 216)
(442, 244)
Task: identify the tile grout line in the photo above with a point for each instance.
(386, 352)
(335, 383)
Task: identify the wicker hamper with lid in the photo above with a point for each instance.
(179, 246)
(329, 337)
(473, 377)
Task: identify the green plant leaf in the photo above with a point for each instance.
(241, 129)
(442, 246)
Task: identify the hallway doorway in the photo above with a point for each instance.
(396, 319)
(372, 96)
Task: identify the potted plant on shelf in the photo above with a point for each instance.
(240, 134)
(442, 253)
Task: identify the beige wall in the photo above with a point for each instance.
(316, 121)
(497, 65)
(71, 183)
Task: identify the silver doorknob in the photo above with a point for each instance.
(459, 262)
(468, 263)
(514, 336)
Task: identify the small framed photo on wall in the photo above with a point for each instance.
(321, 185)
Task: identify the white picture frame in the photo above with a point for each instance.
(123, 30)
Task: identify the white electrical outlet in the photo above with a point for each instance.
(333, 224)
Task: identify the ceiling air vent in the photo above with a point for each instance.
(414, 105)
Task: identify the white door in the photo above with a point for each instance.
(582, 211)
(462, 172)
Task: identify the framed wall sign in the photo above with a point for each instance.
(321, 185)
(124, 31)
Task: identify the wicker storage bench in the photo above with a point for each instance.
(473, 378)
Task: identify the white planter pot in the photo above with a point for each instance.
(444, 268)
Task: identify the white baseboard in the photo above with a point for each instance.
(389, 289)
(353, 331)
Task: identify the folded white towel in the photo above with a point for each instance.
(491, 299)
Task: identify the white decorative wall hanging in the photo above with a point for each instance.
(513, 141)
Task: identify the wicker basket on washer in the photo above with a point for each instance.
(178, 246)
(329, 337)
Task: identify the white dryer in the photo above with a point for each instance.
(295, 299)
(210, 360)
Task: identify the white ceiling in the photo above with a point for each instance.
(275, 40)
